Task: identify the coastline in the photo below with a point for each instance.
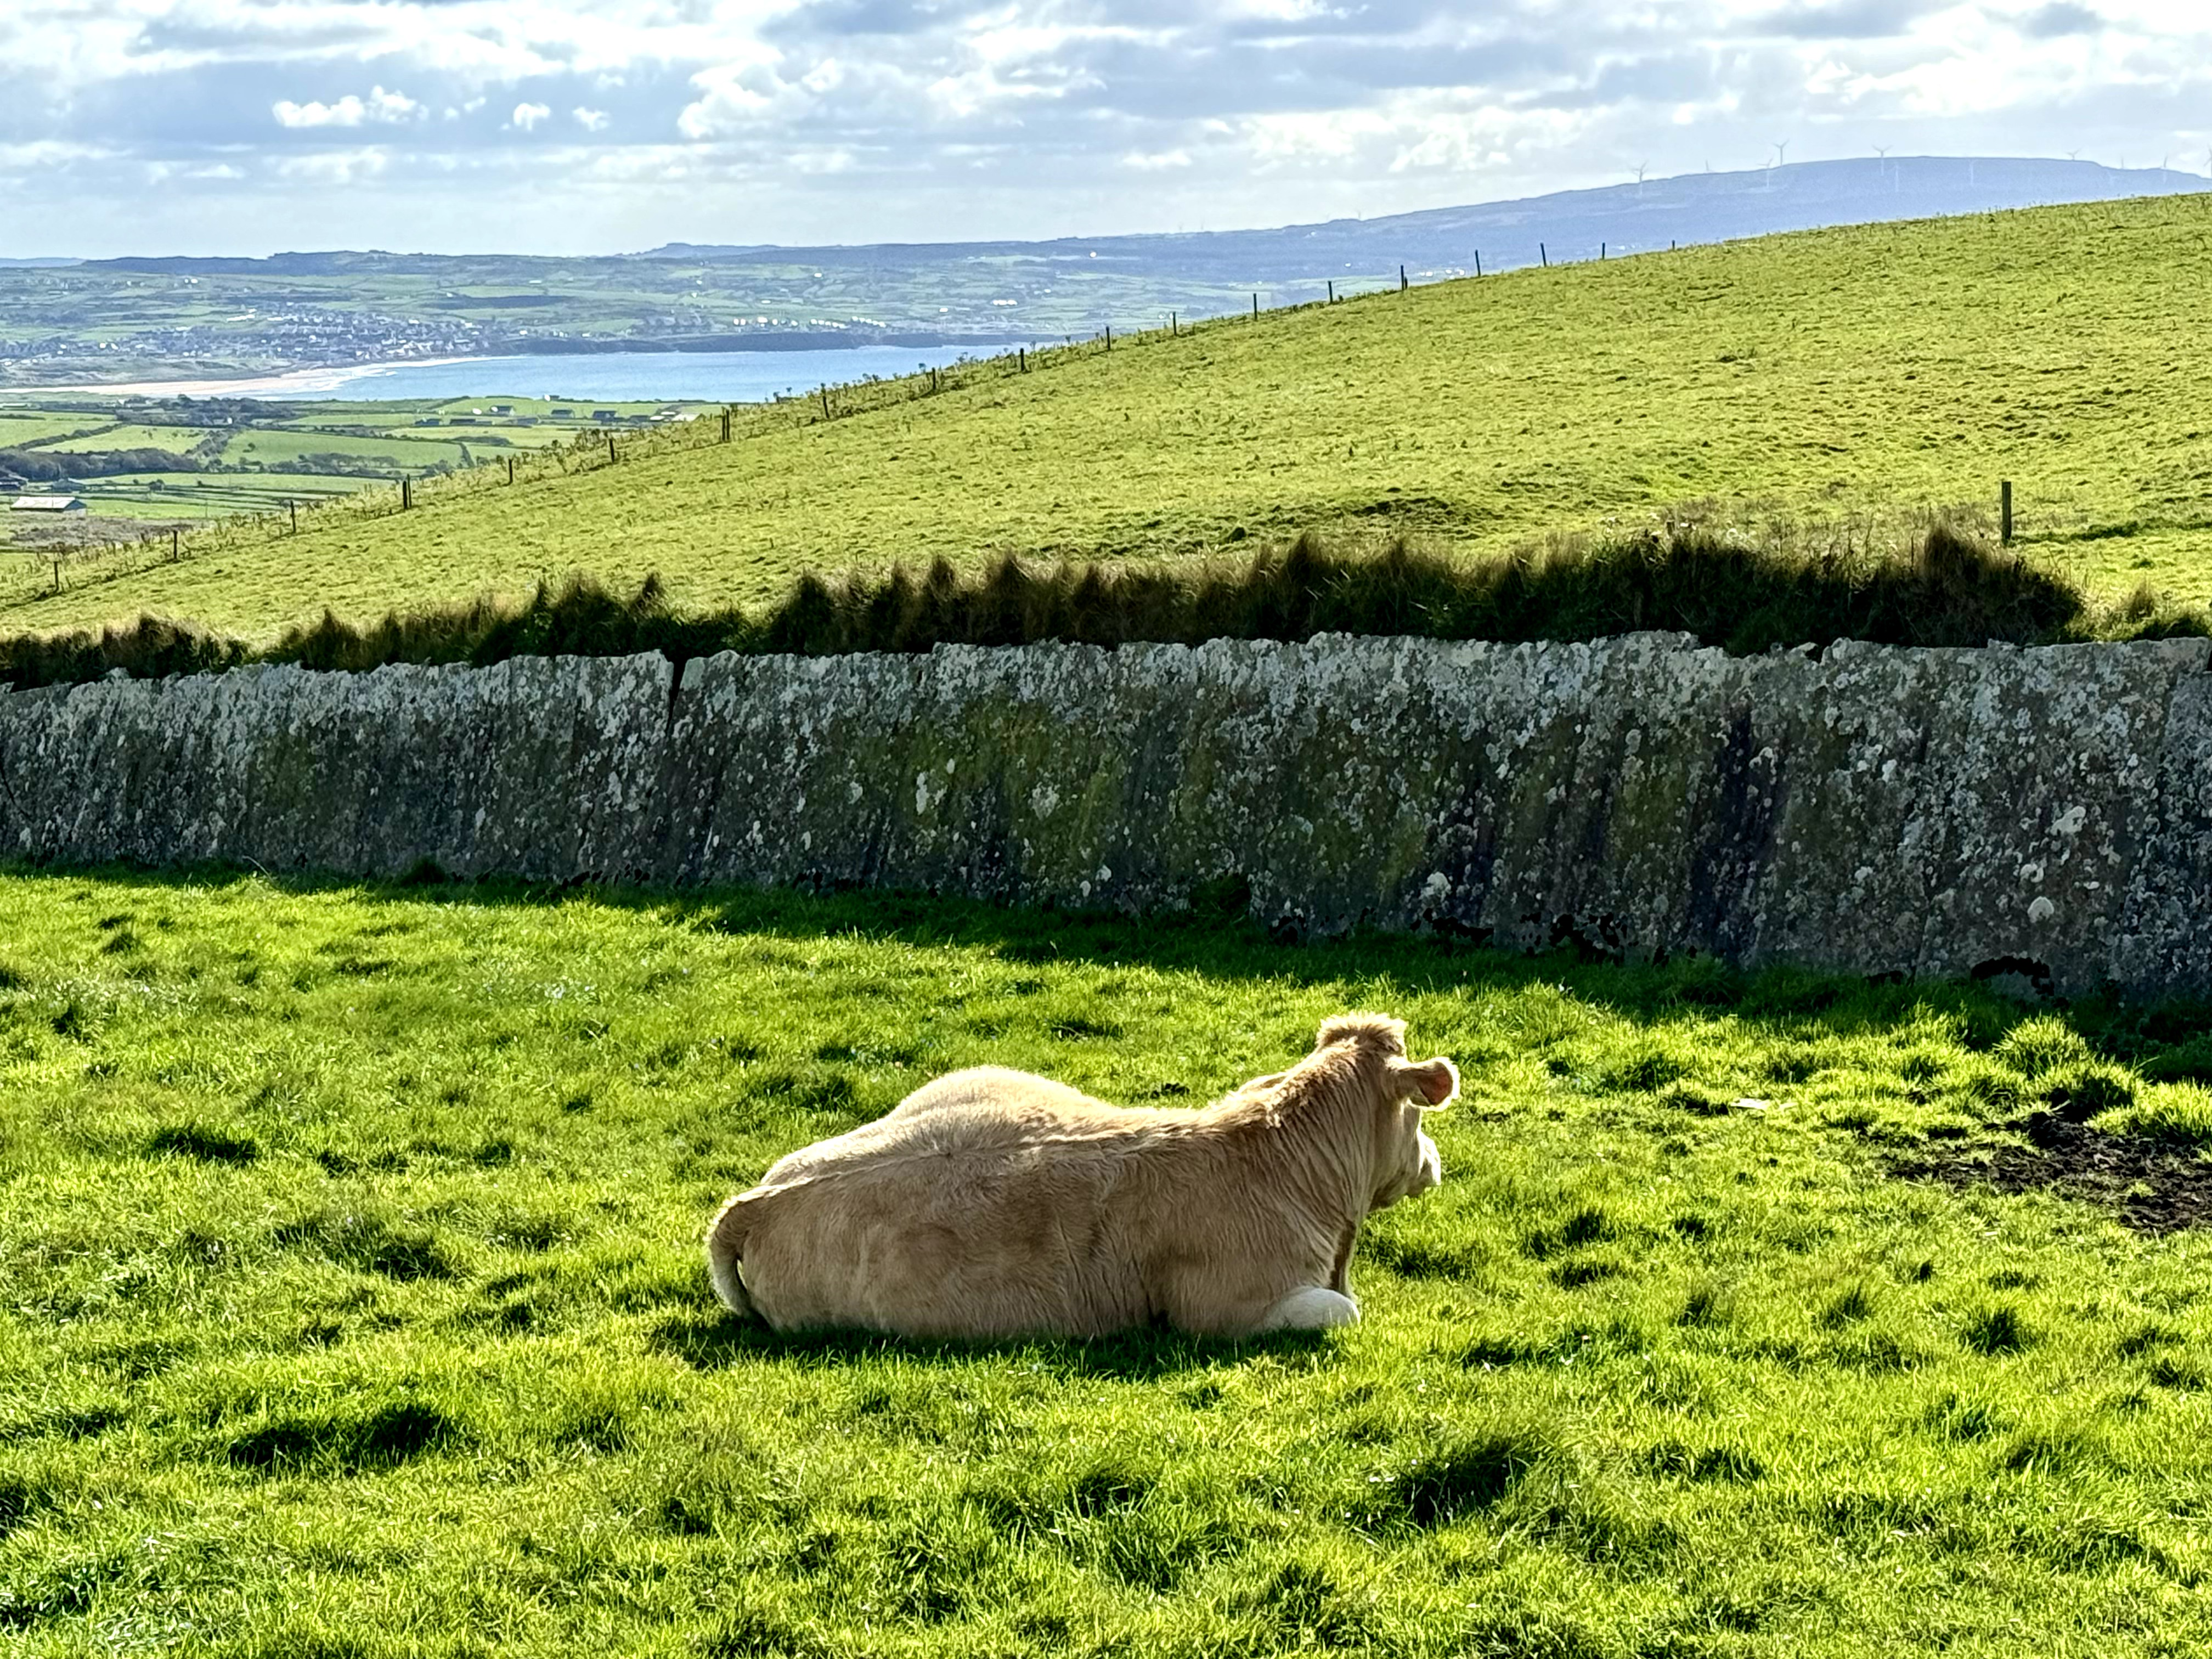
(332, 378)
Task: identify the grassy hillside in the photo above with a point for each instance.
(337, 1325)
(1846, 378)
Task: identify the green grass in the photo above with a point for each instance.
(176, 440)
(275, 445)
(1948, 591)
(353, 1304)
(1846, 380)
(20, 428)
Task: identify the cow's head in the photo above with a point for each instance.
(1406, 1162)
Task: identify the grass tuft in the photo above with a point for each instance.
(1948, 589)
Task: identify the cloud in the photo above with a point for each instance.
(856, 119)
(1842, 20)
(380, 106)
(2052, 21)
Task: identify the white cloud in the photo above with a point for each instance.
(346, 167)
(850, 120)
(380, 106)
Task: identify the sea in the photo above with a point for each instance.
(719, 377)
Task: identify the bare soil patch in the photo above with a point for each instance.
(2152, 1185)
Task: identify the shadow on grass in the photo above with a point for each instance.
(1785, 1005)
(710, 1340)
(1222, 943)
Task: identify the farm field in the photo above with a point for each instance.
(222, 458)
(1833, 386)
(355, 1305)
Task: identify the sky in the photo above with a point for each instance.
(578, 126)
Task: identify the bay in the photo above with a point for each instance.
(717, 377)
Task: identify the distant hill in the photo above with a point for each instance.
(216, 317)
(1568, 225)
(1563, 228)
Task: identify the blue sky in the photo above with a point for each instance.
(601, 125)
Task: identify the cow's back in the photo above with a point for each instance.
(988, 1203)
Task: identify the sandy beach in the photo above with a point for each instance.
(332, 379)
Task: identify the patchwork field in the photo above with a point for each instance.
(354, 1305)
(1834, 386)
(154, 461)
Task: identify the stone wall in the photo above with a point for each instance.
(2046, 813)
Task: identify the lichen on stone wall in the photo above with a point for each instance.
(2036, 812)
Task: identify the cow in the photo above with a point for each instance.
(991, 1203)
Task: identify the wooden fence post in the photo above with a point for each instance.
(825, 400)
(1332, 290)
(406, 494)
(1174, 325)
(1402, 279)
(1478, 262)
(1109, 336)
(1022, 359)
(725, 426)
(1256, 308)
(1543, 255)
(1600, 249)
(293, 507)
(2004, 513)
(610, 449)
(510, 468)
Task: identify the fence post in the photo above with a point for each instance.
(1600, 249)
(1022, 359)
(1109, 336)
(1478, 262)
(1256, 308)
(406, 494)
(1174, 325)
(610, 449)
(1543, 255)
(2004, 513)
(1332, 290)
(293, 507)
(510, 468)
(1402, 279)
(825, 400)
(725, 426)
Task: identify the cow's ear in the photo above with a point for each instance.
(1433, 1082)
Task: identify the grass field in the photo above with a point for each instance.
(1851, 379)
(354, 1305)
(260, 449)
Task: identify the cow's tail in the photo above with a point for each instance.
(725, 1249)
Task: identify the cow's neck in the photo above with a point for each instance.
(1315, 1149)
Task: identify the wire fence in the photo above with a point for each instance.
(59, 568)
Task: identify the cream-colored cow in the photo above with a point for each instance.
(993, 1203)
